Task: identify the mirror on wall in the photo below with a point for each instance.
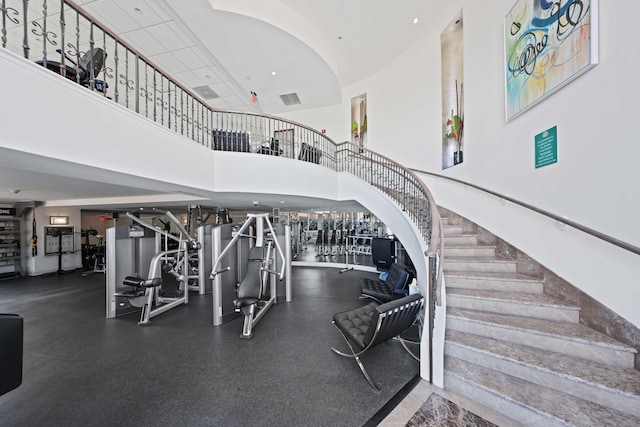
(452, 48)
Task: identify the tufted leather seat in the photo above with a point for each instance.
(367, 326)
(356, 323)
(394, 286)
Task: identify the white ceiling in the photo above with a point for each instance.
(232, 46)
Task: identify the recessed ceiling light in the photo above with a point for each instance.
(415, 20)
(137, 10)
(273, 73)
(339, 37)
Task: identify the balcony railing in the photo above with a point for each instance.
(62, 37)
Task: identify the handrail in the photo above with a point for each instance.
(612, 240)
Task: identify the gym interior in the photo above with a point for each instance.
(428, 122)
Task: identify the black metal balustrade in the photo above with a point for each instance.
(80, 49)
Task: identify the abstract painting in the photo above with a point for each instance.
(547, 44)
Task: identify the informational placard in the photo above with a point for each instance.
(547, 147)
(58, 239)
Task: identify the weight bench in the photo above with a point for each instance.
(365, 327)
(392, 287)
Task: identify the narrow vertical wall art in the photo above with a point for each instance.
(547, 45)
(452, 49)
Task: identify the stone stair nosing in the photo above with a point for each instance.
(460, 239)
(537, 306)
(452, 229)
(492, 264)
(509, 282)
(469, 251)
(529, 403)
(617, 388)
(562, 337)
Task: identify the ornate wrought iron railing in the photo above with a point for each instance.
(76, 46)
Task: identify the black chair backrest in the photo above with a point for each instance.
(392, 318)
(397, 279)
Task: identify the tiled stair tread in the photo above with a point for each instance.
(472, 259)
(488, 275)
(569, 331)
(463, 234)
(539, 399)
(620, 380)
(515, 297)
(468, 246)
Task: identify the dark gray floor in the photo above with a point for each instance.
(82, 369)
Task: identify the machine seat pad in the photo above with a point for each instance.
(245, 302)
(355, 323)
(130, 294)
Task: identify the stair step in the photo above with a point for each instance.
(469, 251)
(531, 404)
(617, 388)
(567, 338)
(490, 264)
(538, 306)
(460, 239)
(445, 220)
(508, 282)
(448, 230)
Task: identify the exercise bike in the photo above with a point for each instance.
(84, 72)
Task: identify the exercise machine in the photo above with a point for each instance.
(253, 258)
(130, 248)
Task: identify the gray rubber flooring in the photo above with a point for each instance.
(81, 369)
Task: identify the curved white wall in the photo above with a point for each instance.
(129, 147)
(594, 181)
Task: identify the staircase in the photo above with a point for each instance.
(524, 354)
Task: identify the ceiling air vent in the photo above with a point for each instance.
(206, 92)
(290, 99)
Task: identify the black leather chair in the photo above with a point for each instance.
(365, 327)
(394, 286)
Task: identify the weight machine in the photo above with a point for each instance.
(129, 249)
(258, 259)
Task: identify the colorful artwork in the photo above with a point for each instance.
(547, 44)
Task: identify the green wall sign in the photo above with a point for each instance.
(547, 147)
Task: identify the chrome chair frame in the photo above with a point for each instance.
(391, 319)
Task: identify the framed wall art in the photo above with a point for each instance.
(547, 45)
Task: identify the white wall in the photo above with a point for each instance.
(48, 263)
(593, 182)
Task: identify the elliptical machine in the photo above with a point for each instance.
(84, 72)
